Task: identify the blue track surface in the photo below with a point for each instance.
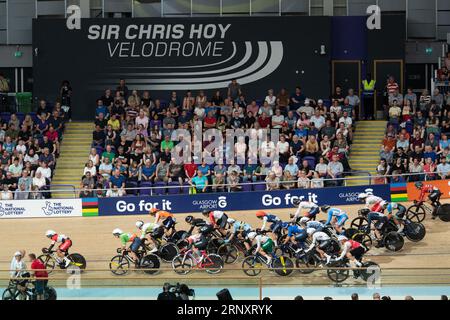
(252, 293)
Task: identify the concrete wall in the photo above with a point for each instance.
(8, 60)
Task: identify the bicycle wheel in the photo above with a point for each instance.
(338, 273)
(393, 241)
(306, 264)
(10, 294)
(364, 239)
(369, 268)
(48, 261)
(150, 263)
(415, 213)
(77, 260)
(50, 293)
(228, 252)
(168, 251)
(177, 236)
(283, 266)
(415, 231)
(214, 263)
(359, 223)
(119, 265)
(182, 264)
(213, 246)
(444, 212)
(251, 266)
(182, 244)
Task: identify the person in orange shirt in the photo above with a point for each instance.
(168, 220)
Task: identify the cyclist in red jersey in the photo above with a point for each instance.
(65, 244)
(433, 193)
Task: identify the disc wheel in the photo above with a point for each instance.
(251, 266)
(415, 231)
(415, 213)
(229, 253)
(150, 263)
(213, 246)
(119, 265)
(217, 264)
(182, 265)
(394, 241)
(306, 264)
(168, 251)
(77, 260)
(444, 212)
(364, 239)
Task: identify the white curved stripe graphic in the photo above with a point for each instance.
(191, 67)
(273, 63)
(245, 59)
(259, 62)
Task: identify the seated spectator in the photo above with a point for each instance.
(16, 168)
(89, 167)
(115, 192)
(272, 182)
(296, 147)
(162, 171)
(39, 181)
(288, 180)
(248, 172)
(443, 169)
(277, 169)
(21, 193)
(302, 181)
(98, 137)
(148, 171)
(218, 181)
(176, 172)
(199, 182)
(86, 192)
(316, 181)
(105, 168)
(416, 170)
(117, 179)
(233, 181)
(88, 179)
(292, 166)
(6, 193)
(429, 169)
(382, 170)
(262, 171)
(277, 119)
(283, 149)
(26, 179)
(134, 172)
(335, 169)
(45, 171)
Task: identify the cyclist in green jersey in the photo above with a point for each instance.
(126, 238)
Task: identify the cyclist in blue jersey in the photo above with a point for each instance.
(306, 223)
(397, 212)
(296, 235)
(336, 217)
(239, 229)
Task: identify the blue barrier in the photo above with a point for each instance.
(235, 201)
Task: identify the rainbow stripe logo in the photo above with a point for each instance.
(399, 192)
(90, 207)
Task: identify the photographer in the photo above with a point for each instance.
(167, 294)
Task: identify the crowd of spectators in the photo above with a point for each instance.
(29, 148)
(132, 140)
(416, 145)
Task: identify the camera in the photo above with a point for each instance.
(182, 291)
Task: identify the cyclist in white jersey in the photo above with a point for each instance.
(320, 240)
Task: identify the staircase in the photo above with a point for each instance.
(365, 150)
(74, 154)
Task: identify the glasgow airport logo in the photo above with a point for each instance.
(184, 56)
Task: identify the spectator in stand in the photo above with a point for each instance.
(297, 99)
(6, 193)
(199, 182)
(271, 99)
(234, 90)
(283, 100)
(429, 169)
(115, 192)
(416, 170)
(105, 168)
(233, 181)
(162, 171)
(387, 154)
(98, 137)
(335, 169)
(443, 169)
(302, 181)
(86, 192)
(272, 181)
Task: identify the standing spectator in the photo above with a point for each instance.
(234, 90)
(38, 271)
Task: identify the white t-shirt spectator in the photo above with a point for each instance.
(33, 160)
(335, 167)
(321, 168)
(92, 170)
(347, 121)
(318, 121)
(46, 172)
(277, 119)
(39, 182)
(271, 100)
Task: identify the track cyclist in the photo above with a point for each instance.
(199, 241)
(218, 219)
(373, 203)
(135, 242)
(320, 241)
(398, 215)
(306, 223)
(433, 195)
(354, 252)
(65, 244)
(264, 245)
(150, 232)
(276, 223)
(239, 229)
(305, 208)
(336, 217)
(167, 218)
(296, 235)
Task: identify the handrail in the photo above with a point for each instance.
(369, 177)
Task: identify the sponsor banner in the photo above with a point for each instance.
(48, 208)
(443, 185)
(235, 201)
